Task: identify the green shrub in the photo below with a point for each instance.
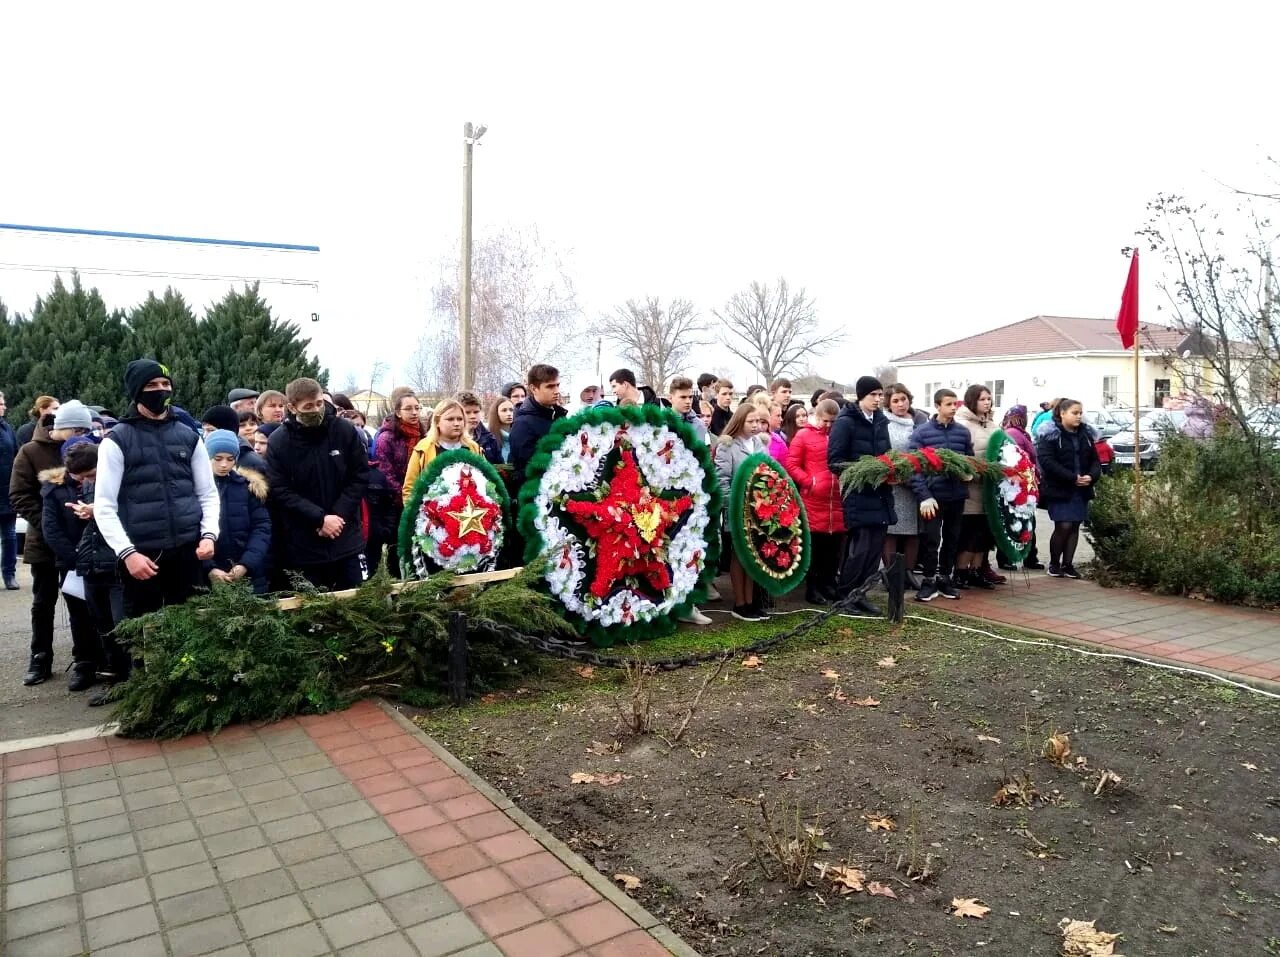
(1209, 523)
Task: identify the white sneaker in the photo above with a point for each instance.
(695, 617)
(712, 593)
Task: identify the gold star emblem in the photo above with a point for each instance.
(648, 521)
(469, 519)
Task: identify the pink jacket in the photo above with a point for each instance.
(778, 447)
(806, 463)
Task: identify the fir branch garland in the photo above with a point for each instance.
(897, 468)
(428, 476)
(528, 511)
(752, 535)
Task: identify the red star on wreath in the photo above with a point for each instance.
(629, 525)
(467, 517)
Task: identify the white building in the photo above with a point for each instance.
(126, 266)
(1047, 357)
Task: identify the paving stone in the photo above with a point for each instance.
(31, 804)
(306, 848)
(390, 881)
(177, 759)
(259, 775)
(37, 865)
(140, 766)
(63, 942)
(444, 935)
(105, 849)
(101, 772)
(25, 893)
(304, 763)
(108, 872)
(502, 915)
(334, 898)
(122, 925)
(304, 941)
(145, 782)
(173, 856)
(39, 842)
(194, 906)
(259, 887)
(155, 796)
(372, 857)
(161, 814)
(594, 924)
(317, 779)
(424, 904)
(204, 936)
(95, 809)
(296, 749)
(393, 945)
(37, 918)
(323, 870)
(214, 803)
(480, 950)
(91, 792)
(46, 782)
(545, 940)
(183, 880)
(102, 827)
(259, 920)
(261, 793)
(233, 842)
(201, 770)
(280, 808)
(115, 897)
(362, 833)
(40, 821)
(246, 759)
(203, 787)
(354, 926)
(166, 834)
(230, 820)
(348, 813)
(332, 796)
(247, 863)
(290, 827)
(152, 946)
(236, 950)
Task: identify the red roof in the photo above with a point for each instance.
(1048, 335)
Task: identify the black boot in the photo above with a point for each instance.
(867, 608)
(11, 583)
(814, 597)
(99, 697)
(84, 675)
(39, 670)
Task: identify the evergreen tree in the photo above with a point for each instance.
(240, 345)
(166, 330)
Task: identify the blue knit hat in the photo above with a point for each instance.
(221, 440)
(74, 441)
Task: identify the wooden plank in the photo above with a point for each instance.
(294, 602)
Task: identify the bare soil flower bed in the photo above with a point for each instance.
(920, 792)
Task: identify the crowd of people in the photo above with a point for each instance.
(126, 515)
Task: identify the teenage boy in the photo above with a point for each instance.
(941, 498)
(721, 413)
(680, 395)
(706, 396)
(154, 500)
(625, 391)
(780, 389)
(489, 443)
(318, 473)
(533, 417)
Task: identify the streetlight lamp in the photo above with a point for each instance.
(470, 136)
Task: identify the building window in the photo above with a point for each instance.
(996, 388)
(929, 389)
(1163, 391)
(1110, 390)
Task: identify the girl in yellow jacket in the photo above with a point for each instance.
(448, 431)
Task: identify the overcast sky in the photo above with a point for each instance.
(926, 171)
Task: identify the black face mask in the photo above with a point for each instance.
(156, 401)
(46, 421)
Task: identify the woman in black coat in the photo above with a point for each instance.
(1069, 468)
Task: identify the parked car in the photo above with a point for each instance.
(1152, 425)
(1109, 422)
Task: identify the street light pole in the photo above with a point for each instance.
(466, 373)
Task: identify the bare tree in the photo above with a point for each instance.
(774, 328)
(655, 340)
(435, 366)
(887, 373)
(524, 310)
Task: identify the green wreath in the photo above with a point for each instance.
(769, 525)
(1010, 495)
(419, 556)
(573, 573)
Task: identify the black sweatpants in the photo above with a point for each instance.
(862, 556)
(940, 540)
(824, 565)
(46, 581)
(176, 582)
(106, 604)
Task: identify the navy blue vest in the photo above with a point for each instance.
(157, 501)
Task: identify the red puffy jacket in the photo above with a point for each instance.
(807, 465)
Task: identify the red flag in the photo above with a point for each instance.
(1127, 319)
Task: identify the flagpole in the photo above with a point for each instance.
(1137, 427)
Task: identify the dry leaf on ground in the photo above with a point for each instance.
(837, 695)
(969, 907)
(888, 661)
(581, 777)
(1107, 779)
(585, 777)
(876, 889)
(848, 879)
(586, 671)
(867, 702)
(599, 747)
(833, 675)
(751, 661)
(987, 737)
(1057, 748)
(1081, 939)
(880, 822)
(1249, 767)
(629, 882)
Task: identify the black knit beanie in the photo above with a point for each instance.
(138, 373)
(221, 417)
(866, 385)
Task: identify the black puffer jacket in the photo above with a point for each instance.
(532, 421)
(59, 525)
(1063, 455)
(314, 472)
(852, 437)
(157, 501)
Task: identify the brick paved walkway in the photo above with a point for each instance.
(1221, 638)
(343, 833)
